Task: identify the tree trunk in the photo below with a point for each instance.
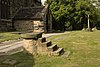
(89, 29)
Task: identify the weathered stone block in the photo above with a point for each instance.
(31, 35)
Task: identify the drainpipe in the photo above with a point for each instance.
(45, 30)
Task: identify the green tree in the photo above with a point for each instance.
(72, 12)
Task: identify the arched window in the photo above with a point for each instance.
(5, 9)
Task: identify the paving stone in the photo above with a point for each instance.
(10, 62)
(66, 54)
(2, 54)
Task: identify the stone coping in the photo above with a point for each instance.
(31, 35)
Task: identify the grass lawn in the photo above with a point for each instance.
(23, 60)
(84, 47)
(8, 36)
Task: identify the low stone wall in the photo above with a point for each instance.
(5, 26)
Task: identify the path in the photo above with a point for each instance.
(10, 46)
(51, 34)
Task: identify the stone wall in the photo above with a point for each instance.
(29, 25)
(5, 26)
(38, 26)
(23, 25)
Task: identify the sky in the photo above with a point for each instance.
(43, 1)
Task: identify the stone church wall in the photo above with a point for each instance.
(23, 25)
(29, 25)
(5, 26)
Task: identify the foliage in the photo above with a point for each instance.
(72, 12)
(98, 20)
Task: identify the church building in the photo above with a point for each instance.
(25, 15)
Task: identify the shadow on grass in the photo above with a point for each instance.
(23, 60)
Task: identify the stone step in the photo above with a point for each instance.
(42, 39)
(31, 35)
(52, 47)
(60, 51)
(47, 44)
